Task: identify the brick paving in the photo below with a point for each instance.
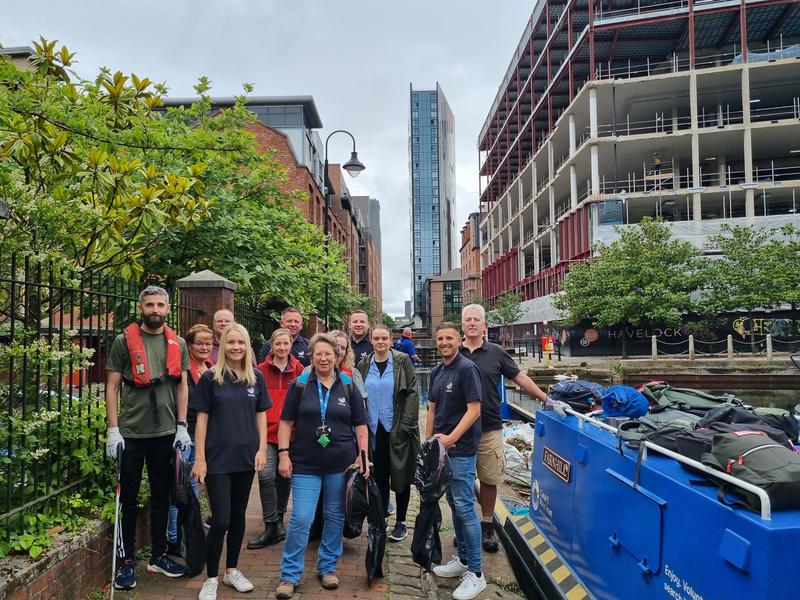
(402, 580)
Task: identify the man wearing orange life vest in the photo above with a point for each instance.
(148, 364)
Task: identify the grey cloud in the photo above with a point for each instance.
(356, 57)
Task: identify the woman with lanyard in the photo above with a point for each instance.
(279, 369)
(324, 408)
(393, 407)
(344, 361)
(199, 340)
(231, 443)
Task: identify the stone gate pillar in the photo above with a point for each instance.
(201, 295)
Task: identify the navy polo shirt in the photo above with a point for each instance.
(232, 435)
(299, 351)
(492, 362)
(452, 387)
(363, 348)
(344, 412)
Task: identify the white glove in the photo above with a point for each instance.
(182, 439)
(557, 405)
(115, 444)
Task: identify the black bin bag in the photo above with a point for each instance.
(432, 478)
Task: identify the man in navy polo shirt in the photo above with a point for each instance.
(291, 319)
(359, 335)
(454, 417)
(493, 363)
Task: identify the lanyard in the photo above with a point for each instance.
(323, 400)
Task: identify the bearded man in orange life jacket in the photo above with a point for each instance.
(148, 364)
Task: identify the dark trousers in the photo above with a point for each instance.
(382, 474)
(272, 488)
(157, 453)
(228, 494)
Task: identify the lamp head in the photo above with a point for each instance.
(353, 166)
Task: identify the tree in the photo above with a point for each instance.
(77, 168)
(508, 310)
(744, 276)
(97, 177)
(389, 321)
(644, 278)
(783, 251)
(452, 317)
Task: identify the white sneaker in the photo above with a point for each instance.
(209, 591)
(237, 581)
(454, 568)
(471, 585)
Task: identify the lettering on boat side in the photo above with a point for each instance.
(678, 588)
(556, 464)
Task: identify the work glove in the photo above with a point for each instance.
(556, 405)
(182, 439)
(115, 444)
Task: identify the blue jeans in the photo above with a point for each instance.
(465, 518)
(305, 493)
(172, 518)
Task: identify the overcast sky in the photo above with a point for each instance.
(355, 57)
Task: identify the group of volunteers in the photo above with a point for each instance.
(299, 415)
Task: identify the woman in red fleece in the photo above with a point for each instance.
(280, 369)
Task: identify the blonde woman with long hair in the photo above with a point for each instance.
(231, 400)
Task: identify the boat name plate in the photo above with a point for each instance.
(556, 464)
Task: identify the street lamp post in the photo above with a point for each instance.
(353, 168)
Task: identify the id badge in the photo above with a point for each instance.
(323, 435)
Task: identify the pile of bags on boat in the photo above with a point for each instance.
(518, 451)
(756, 445)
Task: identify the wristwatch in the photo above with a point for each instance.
(282, 450)
(184, 423)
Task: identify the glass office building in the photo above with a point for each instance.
(433, 190)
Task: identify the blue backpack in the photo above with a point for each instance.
(583, 396)
(624, 401)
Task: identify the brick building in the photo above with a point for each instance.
(444, 297)
(471, 260)
(287, 126)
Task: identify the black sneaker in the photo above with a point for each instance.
(399, 533)
(488, 540)
(174, 549)
(126, 575)
(166, 566)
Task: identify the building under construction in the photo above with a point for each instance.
(614, 110)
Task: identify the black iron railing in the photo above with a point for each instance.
(56, 329)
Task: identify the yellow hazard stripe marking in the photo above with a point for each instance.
(560, 574)
(547, 555)
(577, 593)
(501, 511)
(526, 527)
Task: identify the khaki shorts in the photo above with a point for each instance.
(491, 459)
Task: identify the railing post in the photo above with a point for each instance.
(730, 347)
(691, 347)
(653, 347)
(769, 347)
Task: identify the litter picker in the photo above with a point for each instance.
(118, 546)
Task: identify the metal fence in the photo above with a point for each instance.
(56, 330)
